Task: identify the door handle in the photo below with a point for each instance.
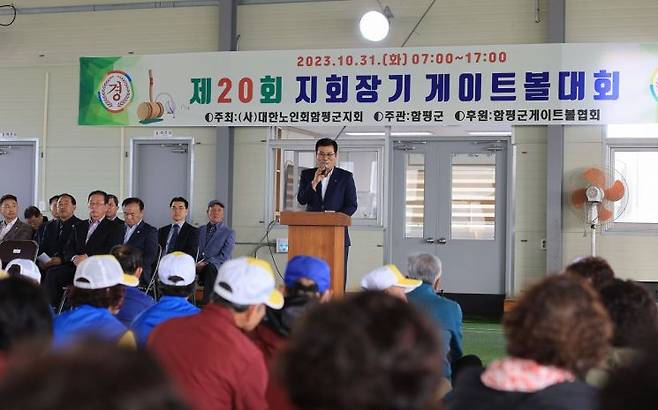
(429, 240)
(441, 241)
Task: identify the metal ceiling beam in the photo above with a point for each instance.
(88, 8)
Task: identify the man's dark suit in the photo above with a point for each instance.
(53, 242)
(187, 241)
(145, 238)
(340, 195)
(19, 232)
(101, 241)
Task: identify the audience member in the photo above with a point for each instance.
(634, 385)
(58, 232)
(179, 236)
(177, 281)
(216, 242)
(368, 351)
(52, 203)
(213, 344)
(389, 279)
(25, 317)
(445, 312)
(25, 268)
(634, 318)
(12, 228)
(89, 376)
(134, 300)
(307, 281)
(33, 217)
(112, 209)
(557, 332)
(96, 295)
(140, 235)
(95, 236)
(593, 268)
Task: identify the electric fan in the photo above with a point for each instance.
(598, 196)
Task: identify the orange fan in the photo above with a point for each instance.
(589, 186)
(598, 196)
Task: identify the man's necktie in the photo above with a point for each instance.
(60, 230)
(174, 237)
(210, 232)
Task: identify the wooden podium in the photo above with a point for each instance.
(320, 234)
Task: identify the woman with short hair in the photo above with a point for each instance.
(558, 331)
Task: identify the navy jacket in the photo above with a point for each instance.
(187, 241)
(340, 195)
(145, 238)
(107, 235)
(52, 243)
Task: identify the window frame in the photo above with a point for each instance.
(611, 146)
(308, 144)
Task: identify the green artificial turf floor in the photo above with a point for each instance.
(484, 339)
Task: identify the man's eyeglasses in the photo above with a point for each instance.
(326, 154)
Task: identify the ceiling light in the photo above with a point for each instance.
(374, 26)
(364, 134)
(490, 133)
(411, 134)
(394, 134)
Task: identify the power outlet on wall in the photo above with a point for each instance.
(281, 245)
(542, 244)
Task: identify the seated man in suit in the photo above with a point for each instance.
(53, 206)
(216, 242)
(327, 187)
(37, 221)
(112, 209)
(95, 236)
(140, 235)
(58, 231)
(179, 236)
(11, 228)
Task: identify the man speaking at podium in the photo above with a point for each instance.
(327, 187)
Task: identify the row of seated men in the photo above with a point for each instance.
(255, 347)
(66, 240)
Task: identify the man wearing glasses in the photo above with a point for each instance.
(327, 187)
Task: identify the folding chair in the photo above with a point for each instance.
(153, 283)
(10, 250)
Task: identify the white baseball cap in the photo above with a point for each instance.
(101, 271)
(387, 276)
(248, 281)
(177, 269)
(27, 268)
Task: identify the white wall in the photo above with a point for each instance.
(335, 25)
(39, 83)
(632, 256)
(39, 92)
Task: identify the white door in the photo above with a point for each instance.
(162, 169)
(449, 200)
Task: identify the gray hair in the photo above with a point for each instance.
(424, 266)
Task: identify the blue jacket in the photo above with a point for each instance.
(134, 302)
(168, 307)
(340, 195)
(83, 321)
(448, 315)
(145, 238)
(220, 246)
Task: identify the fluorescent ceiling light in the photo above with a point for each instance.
(374, 26)
(411, 133)
(394, 134)
(490, 133)
(364, 134)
